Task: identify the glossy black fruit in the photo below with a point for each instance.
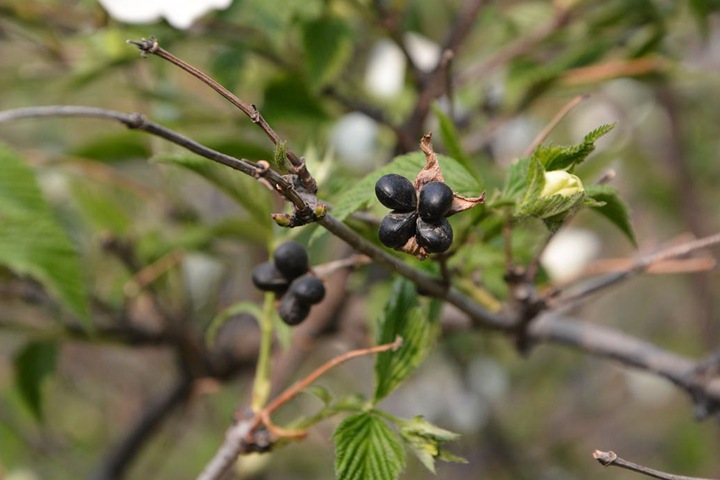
(291, 259)
(293, 310)
(268, 278)
(396, 192)
(307, 289)
(435, 200)
(397, 228)
(435, 236)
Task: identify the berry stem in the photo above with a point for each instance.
(261, 385)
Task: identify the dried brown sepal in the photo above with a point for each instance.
(461, 203)
(412, 247)
(431, 172)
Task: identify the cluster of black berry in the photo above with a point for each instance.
(423, 218)
(288, 277)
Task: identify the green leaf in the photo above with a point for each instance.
(32, 242)
(555, 157)
(114, 147)
(288, 98)
(451, 140)
(517, 178)
(534, 181)
(613, 208)
(402, 317)
(362, 193)
(279, 155)
(425, 440)
(366, 448)
(35, 362)
(245, 190)
(328, 46)
(100, 206)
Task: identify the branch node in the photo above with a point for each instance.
(605, 458)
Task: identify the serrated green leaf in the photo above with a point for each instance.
(613, 208)
(366, 448)
(554, 157)
(362, 193)
(451, 140)
(402, 317)
(246, 191)
(32, 366)
(100, 207)
(32, 242)
(535, 181)
(425, 440)
(327, 43)
(517, 178)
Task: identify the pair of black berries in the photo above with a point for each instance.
(289, 278)
(423, 217)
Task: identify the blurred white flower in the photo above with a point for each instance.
(569, 252)
(180, 14)
(560, 182)
(385, 71)
(424, 52)
(354, 139)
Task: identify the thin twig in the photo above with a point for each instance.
(137, 121)
(152, 46)
(239, 436)
(553, 123)
(639, 266)
(607, 459)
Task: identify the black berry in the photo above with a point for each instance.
(291, 259)
(397, 228)
(293, 310)
(307, 289)
(435, 200)
(268, 278)
(396, 192)
(435, 236)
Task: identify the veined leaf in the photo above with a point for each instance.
(612, 208)
(328, 46)
(451, 140)
(366, 448)
(247, 192)
(402, 317)
(362, 194)
(32, 365)
(535, 181)
(32, 242)
(554, 157)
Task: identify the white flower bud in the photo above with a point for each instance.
(560, 182)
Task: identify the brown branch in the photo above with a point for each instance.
(117, 461)
(151, 46)
(639, 266)
(608, 343)
(607, 459)
(137, 121)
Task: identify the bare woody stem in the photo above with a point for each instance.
(152, 47)
(607, 459)
(136, 121)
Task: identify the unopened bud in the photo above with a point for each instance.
(560, 182)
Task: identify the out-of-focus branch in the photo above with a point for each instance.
(610, 458)
(118, 460)
(608, 343)
(641, 265)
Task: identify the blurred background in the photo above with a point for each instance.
(342, 81)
